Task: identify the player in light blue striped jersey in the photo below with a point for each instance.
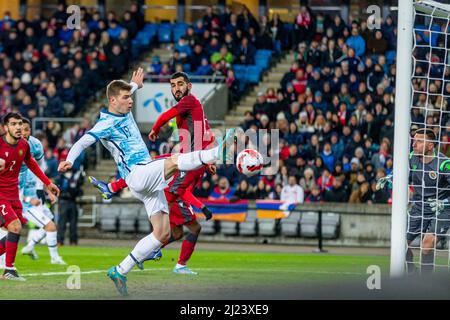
(34, 208)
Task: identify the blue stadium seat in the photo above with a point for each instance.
(179, 30)
(186, 67)
(165, 33)
(262, 61)
(150, 27)
(264, 53)
(253, 74)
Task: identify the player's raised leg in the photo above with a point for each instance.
(196, 159)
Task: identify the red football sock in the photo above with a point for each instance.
(187, 248)
(118, 185)
(12, 240)
(2, 245)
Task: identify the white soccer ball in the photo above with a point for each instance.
(249, 162)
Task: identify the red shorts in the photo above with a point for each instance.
(180, 214)
(10, 211)
(183, 181)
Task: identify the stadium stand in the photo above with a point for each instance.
(328, 91)
(290, 226)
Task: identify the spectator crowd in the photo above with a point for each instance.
(334, 109)
(335, 115)
(49, 70)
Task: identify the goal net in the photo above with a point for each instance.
(428, 187)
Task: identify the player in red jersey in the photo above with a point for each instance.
(193, 128)
(194, 132)
(14, 151)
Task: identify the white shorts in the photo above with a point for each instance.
(40, 215)
(147, 183)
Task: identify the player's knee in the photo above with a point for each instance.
(164, 236)
(196, 228)
(50, 227)
(177, 234)
(428, 244)
(15, 227)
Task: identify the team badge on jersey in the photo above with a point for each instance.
(20, 153)
(433, 175)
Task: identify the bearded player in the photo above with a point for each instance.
(14, 151)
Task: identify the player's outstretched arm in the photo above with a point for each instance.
(2, 164)
(188, 197)
(137, 78)
(161, 121)
(85, 141)
(49, 186)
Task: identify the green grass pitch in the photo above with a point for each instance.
(221, 274)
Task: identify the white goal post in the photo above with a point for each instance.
(403, 101)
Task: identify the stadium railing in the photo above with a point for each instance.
(333, 224)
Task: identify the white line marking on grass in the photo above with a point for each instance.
(47, 274)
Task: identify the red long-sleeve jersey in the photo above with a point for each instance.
(193, 128)
(15, 156)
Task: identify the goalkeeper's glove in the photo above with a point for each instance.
(382, 182)
(207, 213)
(438, 205)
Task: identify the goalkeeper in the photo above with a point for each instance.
(430, 212)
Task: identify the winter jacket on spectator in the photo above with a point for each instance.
(246, 53)
(220, 194)
(328, 159)
(54, 107)
(314, 198)
(325, 182)
(358, 44)
(335, 195)
(292, 194)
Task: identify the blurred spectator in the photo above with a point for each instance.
(292, 192)
(308, 181)
(223, 190)
(244, 191)
(315, 195)
(70, 184)
(336, 193)
(204, 191)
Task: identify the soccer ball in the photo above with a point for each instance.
(249, 162)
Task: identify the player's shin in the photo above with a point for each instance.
(427, 263)
(409, 261)
(36, 237)
(141, 251)
(187, 248)
(2, 245)
(52, 244)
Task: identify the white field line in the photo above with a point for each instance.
(47, 274)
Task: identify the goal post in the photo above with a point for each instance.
(407, 91)
(401, 137)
